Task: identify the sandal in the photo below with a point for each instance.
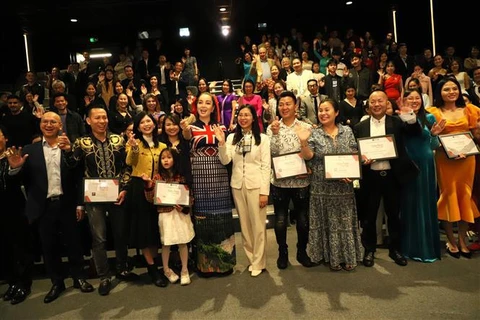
(335, 268)
(348, 267)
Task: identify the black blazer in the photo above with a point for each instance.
(34, 176)
(403, 168)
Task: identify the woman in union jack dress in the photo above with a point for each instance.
(212, 206)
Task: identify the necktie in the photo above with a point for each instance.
(315, 104)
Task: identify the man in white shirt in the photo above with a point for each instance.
(297, 80)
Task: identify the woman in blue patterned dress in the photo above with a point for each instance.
(212, 206)
(334, 236)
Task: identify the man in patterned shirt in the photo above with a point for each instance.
(104, 156)
(284, 140)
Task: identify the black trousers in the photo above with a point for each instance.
(281, 200)
(54, 219)
(16, 248)
(380, 184)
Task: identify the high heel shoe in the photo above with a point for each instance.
(467, 255)
(456, 255)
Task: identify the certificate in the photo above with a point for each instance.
(170, 194)
(288, 165)
(101, 190)
(378, 148)
(458, 143)
(341, 166)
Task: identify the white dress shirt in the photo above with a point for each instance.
(377, 128)
(52, 160)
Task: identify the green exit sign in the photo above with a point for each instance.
(93, 40)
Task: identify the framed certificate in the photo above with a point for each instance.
(101, 190)
(288, 165)
(170, 194)
(458, 143)
(341, 166)
(378, 148)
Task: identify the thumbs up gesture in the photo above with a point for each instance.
(64, 142)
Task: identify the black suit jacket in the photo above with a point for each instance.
(403, 168)
(34, 176)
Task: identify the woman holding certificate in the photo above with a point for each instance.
(249, 151)
(143, 151)
(334, 236)
(455, 175)
(212, 206)
(420, 235)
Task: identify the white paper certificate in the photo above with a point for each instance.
(378, 148)
(458, 143)
(341, 166)
(101, 190)
(289, 165)
(171, 194)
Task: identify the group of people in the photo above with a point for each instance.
(222, 149)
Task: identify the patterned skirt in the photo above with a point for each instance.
(212, 208)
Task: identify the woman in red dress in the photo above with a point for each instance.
(392, 83)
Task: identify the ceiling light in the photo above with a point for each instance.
(225, 30)
(349, 3)
(73, 20)
(223, 9)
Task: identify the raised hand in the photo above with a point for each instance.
(101, 77)
(15, 158)
(35, 98)
(143, 88)
(437, 128)
(302, 133)
(131, 141)
(64, 142)
(275, 126)
(219, 134)
(184, 125)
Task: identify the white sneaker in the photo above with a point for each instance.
(250, 268)
(185, 279)
(171, 276)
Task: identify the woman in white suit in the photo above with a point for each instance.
(249, 150)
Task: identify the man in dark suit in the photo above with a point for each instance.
(51, 203)
(384, 178)
(145, 66)
(15, 236)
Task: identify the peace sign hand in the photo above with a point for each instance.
(131, 141)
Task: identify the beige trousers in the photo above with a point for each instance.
(253, 225)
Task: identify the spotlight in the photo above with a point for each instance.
(73, 20)
(184, 32)
(349, 3)
(225, 30)
(223, 9)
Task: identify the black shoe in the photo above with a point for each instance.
(127, 276)
(105, 287)
(157, 277)
(398, 258)
(83, 285)
(20, 295)
(368, 259)
(456, 255)
(467, 255)
(282, 261)
(8, 295)
(54, 292)
(304, 259)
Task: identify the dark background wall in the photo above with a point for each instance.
(53, 37)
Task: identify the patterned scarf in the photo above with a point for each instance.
(245, 144)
